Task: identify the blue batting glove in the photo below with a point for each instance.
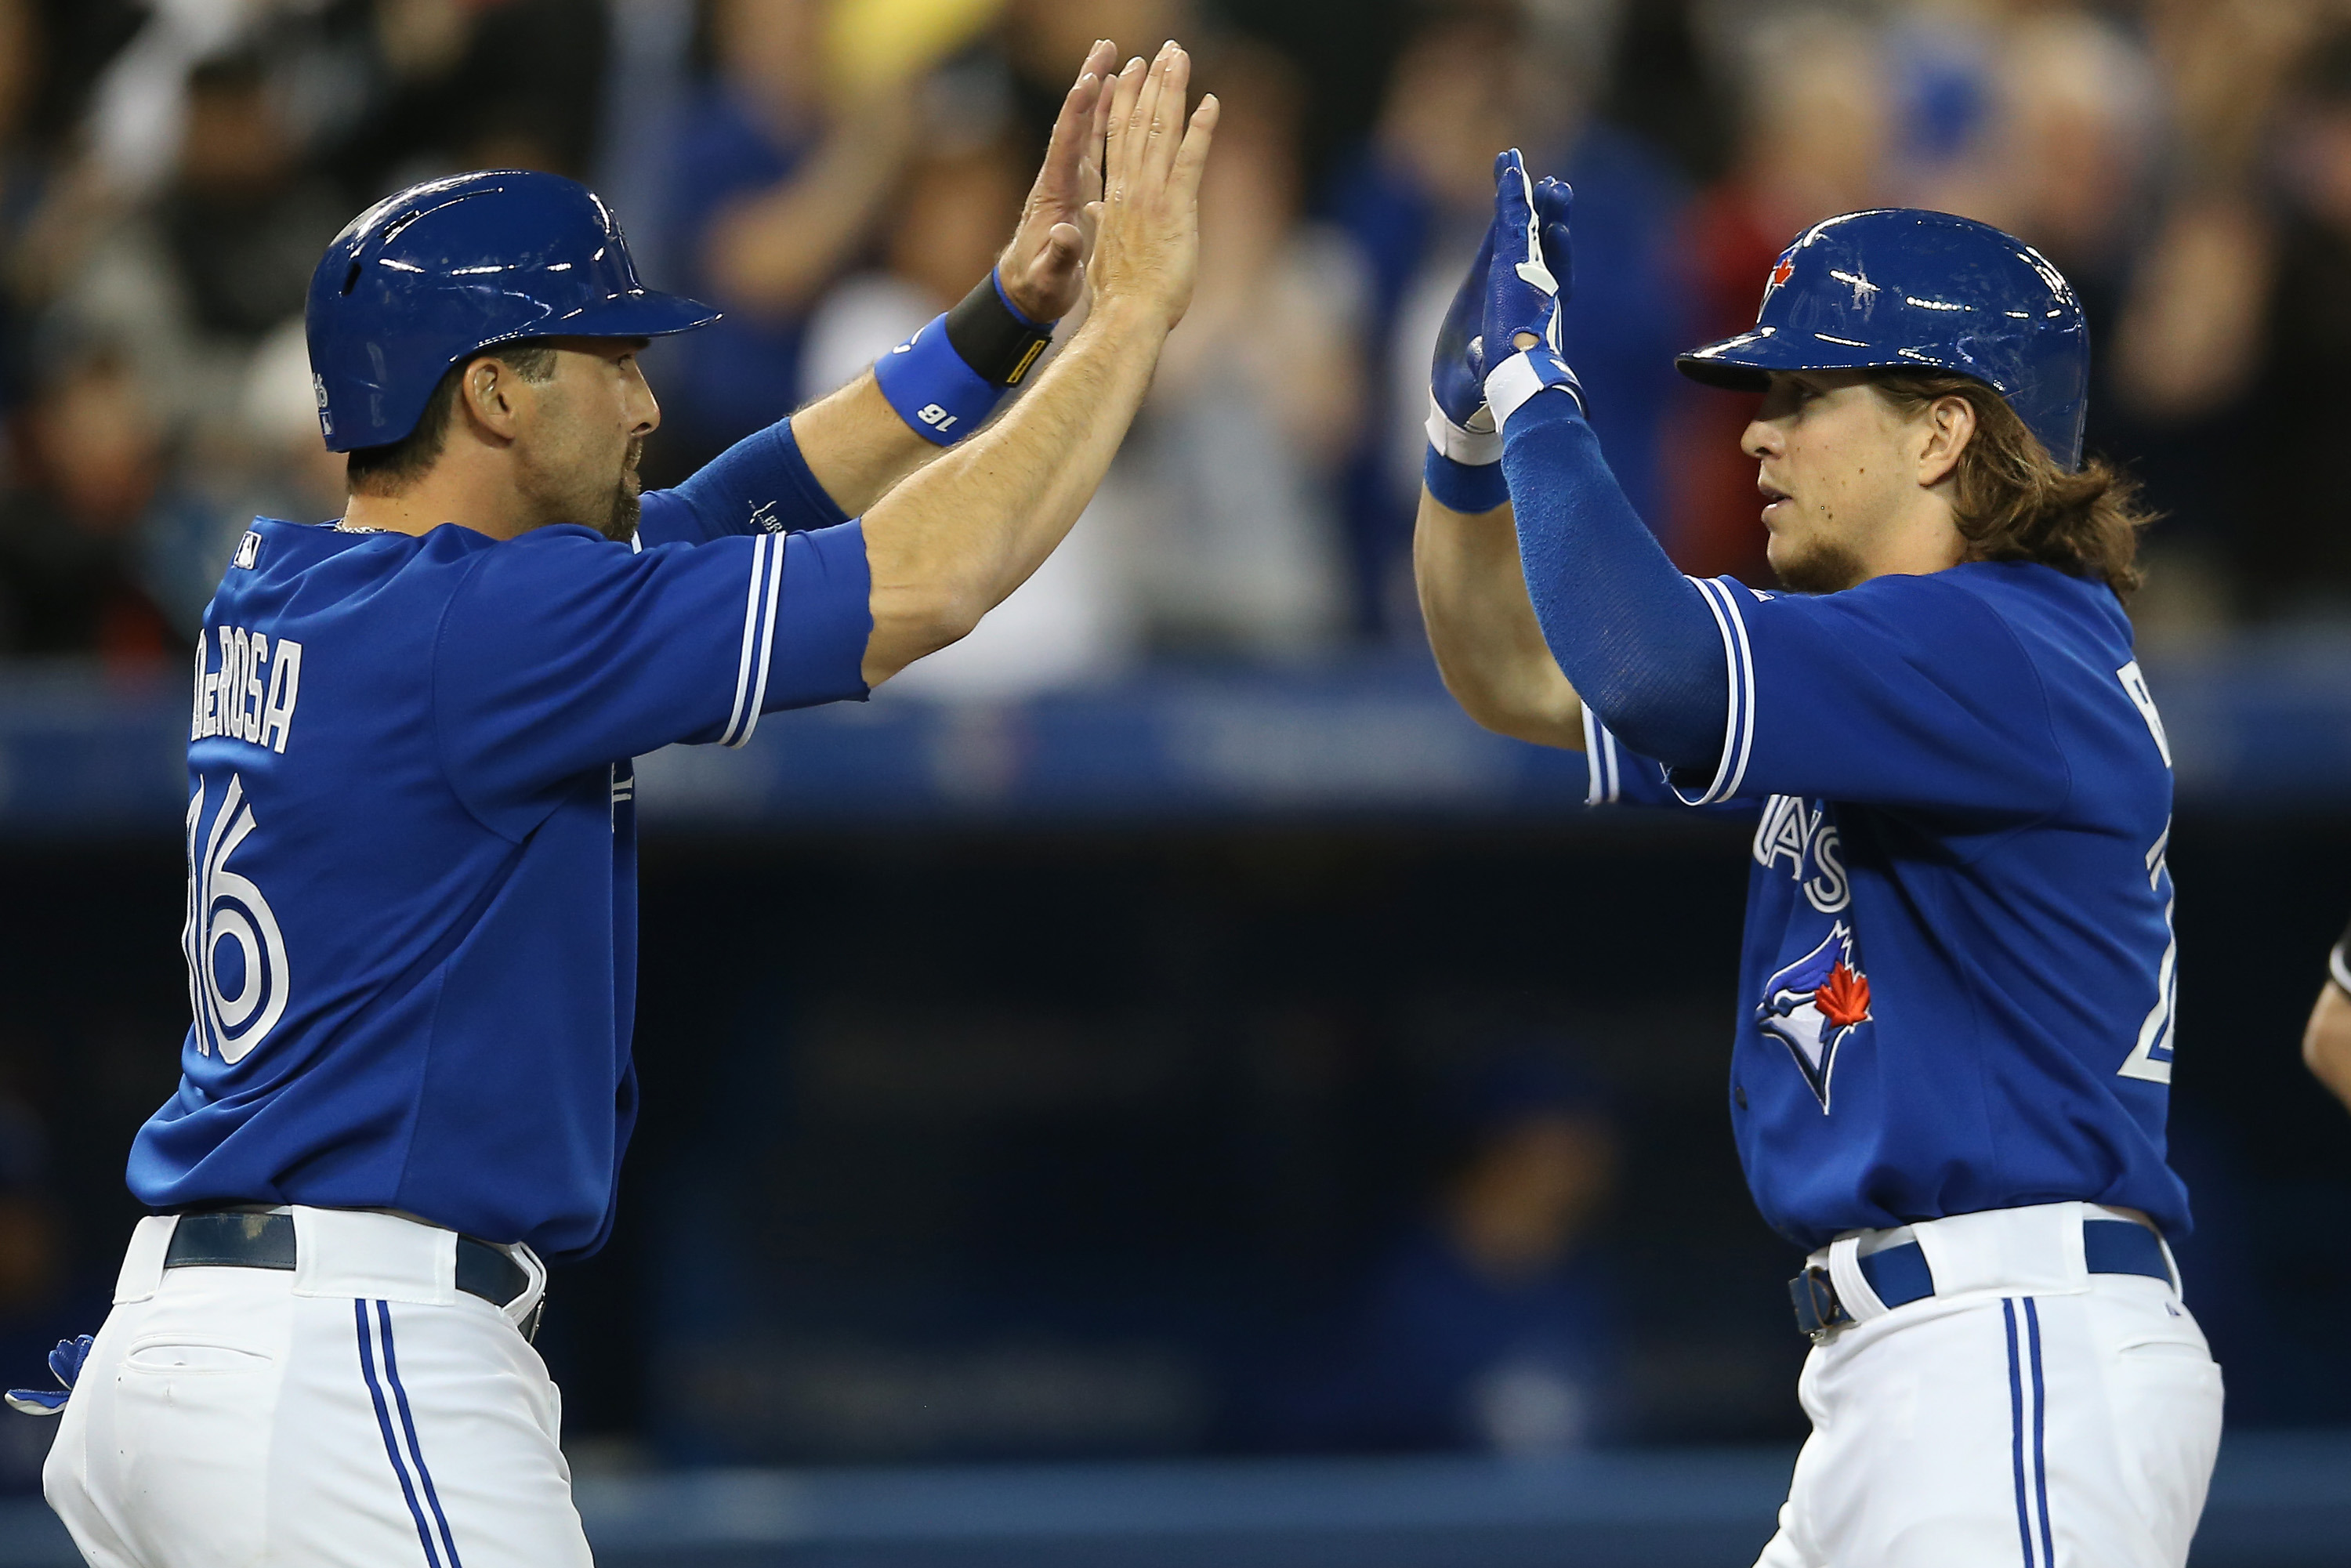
(1459, 424)
(1465, 448)
(1524, 294)
(1464, 467)
(66, 1362)
(1555, 200)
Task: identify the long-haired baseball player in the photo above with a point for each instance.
(411, 838)
(1956, 992)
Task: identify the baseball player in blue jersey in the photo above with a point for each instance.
(411, 836)
(1954, 1043)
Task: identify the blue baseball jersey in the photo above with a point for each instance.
(1958, 980)
(411, 925)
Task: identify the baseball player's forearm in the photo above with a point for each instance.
(1629, 630)
(951, 542)
(857, 445)
(1482, 628)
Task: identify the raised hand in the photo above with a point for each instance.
(1523, 291)
(1522, 294)
(1148, 242)
(1460, 425)
(1043, 269)
(1554, 202)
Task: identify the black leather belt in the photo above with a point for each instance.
(1900, 1274)
(240, 1238)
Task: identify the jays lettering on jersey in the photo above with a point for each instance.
(1958, 976)
(411, 843)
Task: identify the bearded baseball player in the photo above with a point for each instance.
(411, 838)
(1954, 1049)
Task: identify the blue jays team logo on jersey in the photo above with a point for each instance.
(1815, 1004)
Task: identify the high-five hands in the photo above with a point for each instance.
(1147, 237)
(1043, 269)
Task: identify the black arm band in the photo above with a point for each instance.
(996, 340)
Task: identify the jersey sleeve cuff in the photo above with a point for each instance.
(2338, 963)
(1604, 762)
(815, 500)
(806, 619)
(828, 601)
(1721, 598)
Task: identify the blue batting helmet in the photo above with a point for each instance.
(1901, 288)
(429, 276)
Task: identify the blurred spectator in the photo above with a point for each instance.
(2292, 550)
(90, 533)
(191, 282)
(2225, 351)
(1415, 200)
(2079, 114)
(951, 216)
(1491, 1323)
(776, 180)
(1258, 400)
(1814, 124)
(272, 463)
(20, 171)
(1044, 39)
(451, 85)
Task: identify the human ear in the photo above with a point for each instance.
(483, 390)
(1948, 425)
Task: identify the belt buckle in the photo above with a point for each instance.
(1818, 1311)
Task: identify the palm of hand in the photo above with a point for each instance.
(1044, 268)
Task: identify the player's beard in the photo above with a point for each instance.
(620, 521)
(567, 490)
(1828, 567)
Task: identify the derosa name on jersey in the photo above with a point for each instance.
(250, 696)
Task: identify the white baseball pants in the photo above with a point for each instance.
(359, 1410)
(2028, 1414)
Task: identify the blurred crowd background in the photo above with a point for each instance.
(833, 172)
(1263, 1163)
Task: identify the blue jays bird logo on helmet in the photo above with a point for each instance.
(1815, 1004)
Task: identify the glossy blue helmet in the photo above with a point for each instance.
(427, 277)
(1897, 288)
